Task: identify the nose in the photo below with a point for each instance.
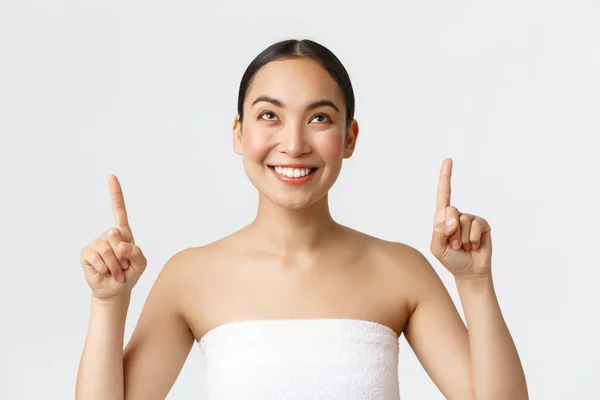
(293, 141)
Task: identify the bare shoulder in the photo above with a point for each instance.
(397, 255)
(406, 258)
(192, 261)
(402, 263)
(194, 277)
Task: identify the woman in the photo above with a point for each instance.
(296, 305)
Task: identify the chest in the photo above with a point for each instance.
(247, 290)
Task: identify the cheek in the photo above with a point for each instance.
(254, 142)
(330, 144)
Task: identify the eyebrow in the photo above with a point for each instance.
(311, 106)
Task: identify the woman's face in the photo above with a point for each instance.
(294, 136)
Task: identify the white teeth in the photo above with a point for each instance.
(293, 172)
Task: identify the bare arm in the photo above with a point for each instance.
(497, 370)
(437, 334)
(478, 363)
(481, 363)
(154, 356)
(100, 374)
(112, 265)
(161, 341)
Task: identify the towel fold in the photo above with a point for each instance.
(342, 359)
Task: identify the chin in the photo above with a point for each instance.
(293, 197)
(293, 202)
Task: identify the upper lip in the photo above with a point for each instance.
(299, 166)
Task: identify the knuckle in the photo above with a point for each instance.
(102, 268)
(95, 258)
(114, 232)
(121, 247)
(104, 248)
(97, 243)
(85, 255)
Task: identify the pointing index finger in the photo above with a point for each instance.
(117, 202)
(444, 190)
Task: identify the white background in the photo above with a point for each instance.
(147, 90)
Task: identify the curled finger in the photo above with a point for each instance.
(135, 256)
(114, 237)
(91, 259)
(108, 256)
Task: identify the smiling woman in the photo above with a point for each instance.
(297, 305)
(295, 121)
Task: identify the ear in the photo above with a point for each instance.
(350, 139)
(237, 135)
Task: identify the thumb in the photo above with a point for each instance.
(439, 240)
(134, 254)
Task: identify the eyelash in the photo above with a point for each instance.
(328, 118)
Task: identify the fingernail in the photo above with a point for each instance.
(120, 277)
(455, 244)
(450, 222)
(124, 264)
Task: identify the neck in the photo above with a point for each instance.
(293, 231)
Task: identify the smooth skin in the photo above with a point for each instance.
(295, 261)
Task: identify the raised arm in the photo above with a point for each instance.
(112, 265)
(481, 362)
(162, 339)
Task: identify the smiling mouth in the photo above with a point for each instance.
(293, 172)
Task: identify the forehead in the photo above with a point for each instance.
(297, 81)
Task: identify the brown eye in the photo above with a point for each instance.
(322, 118)
(269, 114)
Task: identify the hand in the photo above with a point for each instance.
(471, 255)
(112, 263)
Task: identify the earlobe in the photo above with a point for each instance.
(350, 140)
(237, 135)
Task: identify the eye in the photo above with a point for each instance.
(269, 114)
(323, 118)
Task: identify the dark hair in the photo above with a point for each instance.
(295, 49)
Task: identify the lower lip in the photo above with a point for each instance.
(293, 181)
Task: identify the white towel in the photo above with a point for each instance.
(341, 359)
